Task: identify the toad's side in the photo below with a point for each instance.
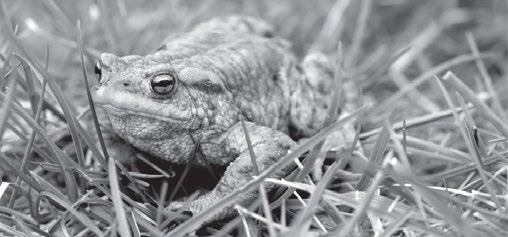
(192, 94)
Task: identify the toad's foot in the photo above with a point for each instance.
(269, 146)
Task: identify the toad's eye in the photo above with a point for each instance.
(98, 71)
(163, 84)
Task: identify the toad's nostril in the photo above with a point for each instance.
(126, 84)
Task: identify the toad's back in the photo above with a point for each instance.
(260, 73)
(262, 78)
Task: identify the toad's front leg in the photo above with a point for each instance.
(269, 146)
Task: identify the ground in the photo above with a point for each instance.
(420, 169)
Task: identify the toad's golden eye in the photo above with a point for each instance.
(98, 71)
(163, 84)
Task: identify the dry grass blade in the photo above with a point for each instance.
(121, 218)
(358, 36)
(79, 215)
(430, 146)
(395, 225)
(262, 192)
(376, 155)
(251, 149)
(244, 221)
(332, 28)
(459, 170)
(453, 81)
(57, 12)
(304, 218)
(260, 218)
(426, 76)
(197, 220)
(485, 75)
(362, 208)
(11, 231)
(18, 215)
(416, 121)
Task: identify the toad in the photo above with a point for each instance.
(195, 91)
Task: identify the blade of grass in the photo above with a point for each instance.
(11, 231)
(121, 218)
(262, 192)
(60, 17)
(416, 121)
(11, 87)
(363, 207)
(496, 104)
(88, 95)
(7, 166)
(244, 221)
(318, 223)
(332, 27)
(136, 232)
(160, 205)
(450, 79)
(143, 222)
(458, 170)
(79, 215)
(361, 26)
(430, 146)
(395, 225)
(424, 77)
(376, 155)
(30, 88)
(303, 220)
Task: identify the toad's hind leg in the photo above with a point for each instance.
(311, 97)
(269, 146)
(311, 93)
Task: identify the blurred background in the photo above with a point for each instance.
(434, 30)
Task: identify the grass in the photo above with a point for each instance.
(429, 157)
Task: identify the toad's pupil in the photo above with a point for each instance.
(98, 71)
(163, 84)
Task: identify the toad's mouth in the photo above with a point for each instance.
(123, 103)
(121, 110)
